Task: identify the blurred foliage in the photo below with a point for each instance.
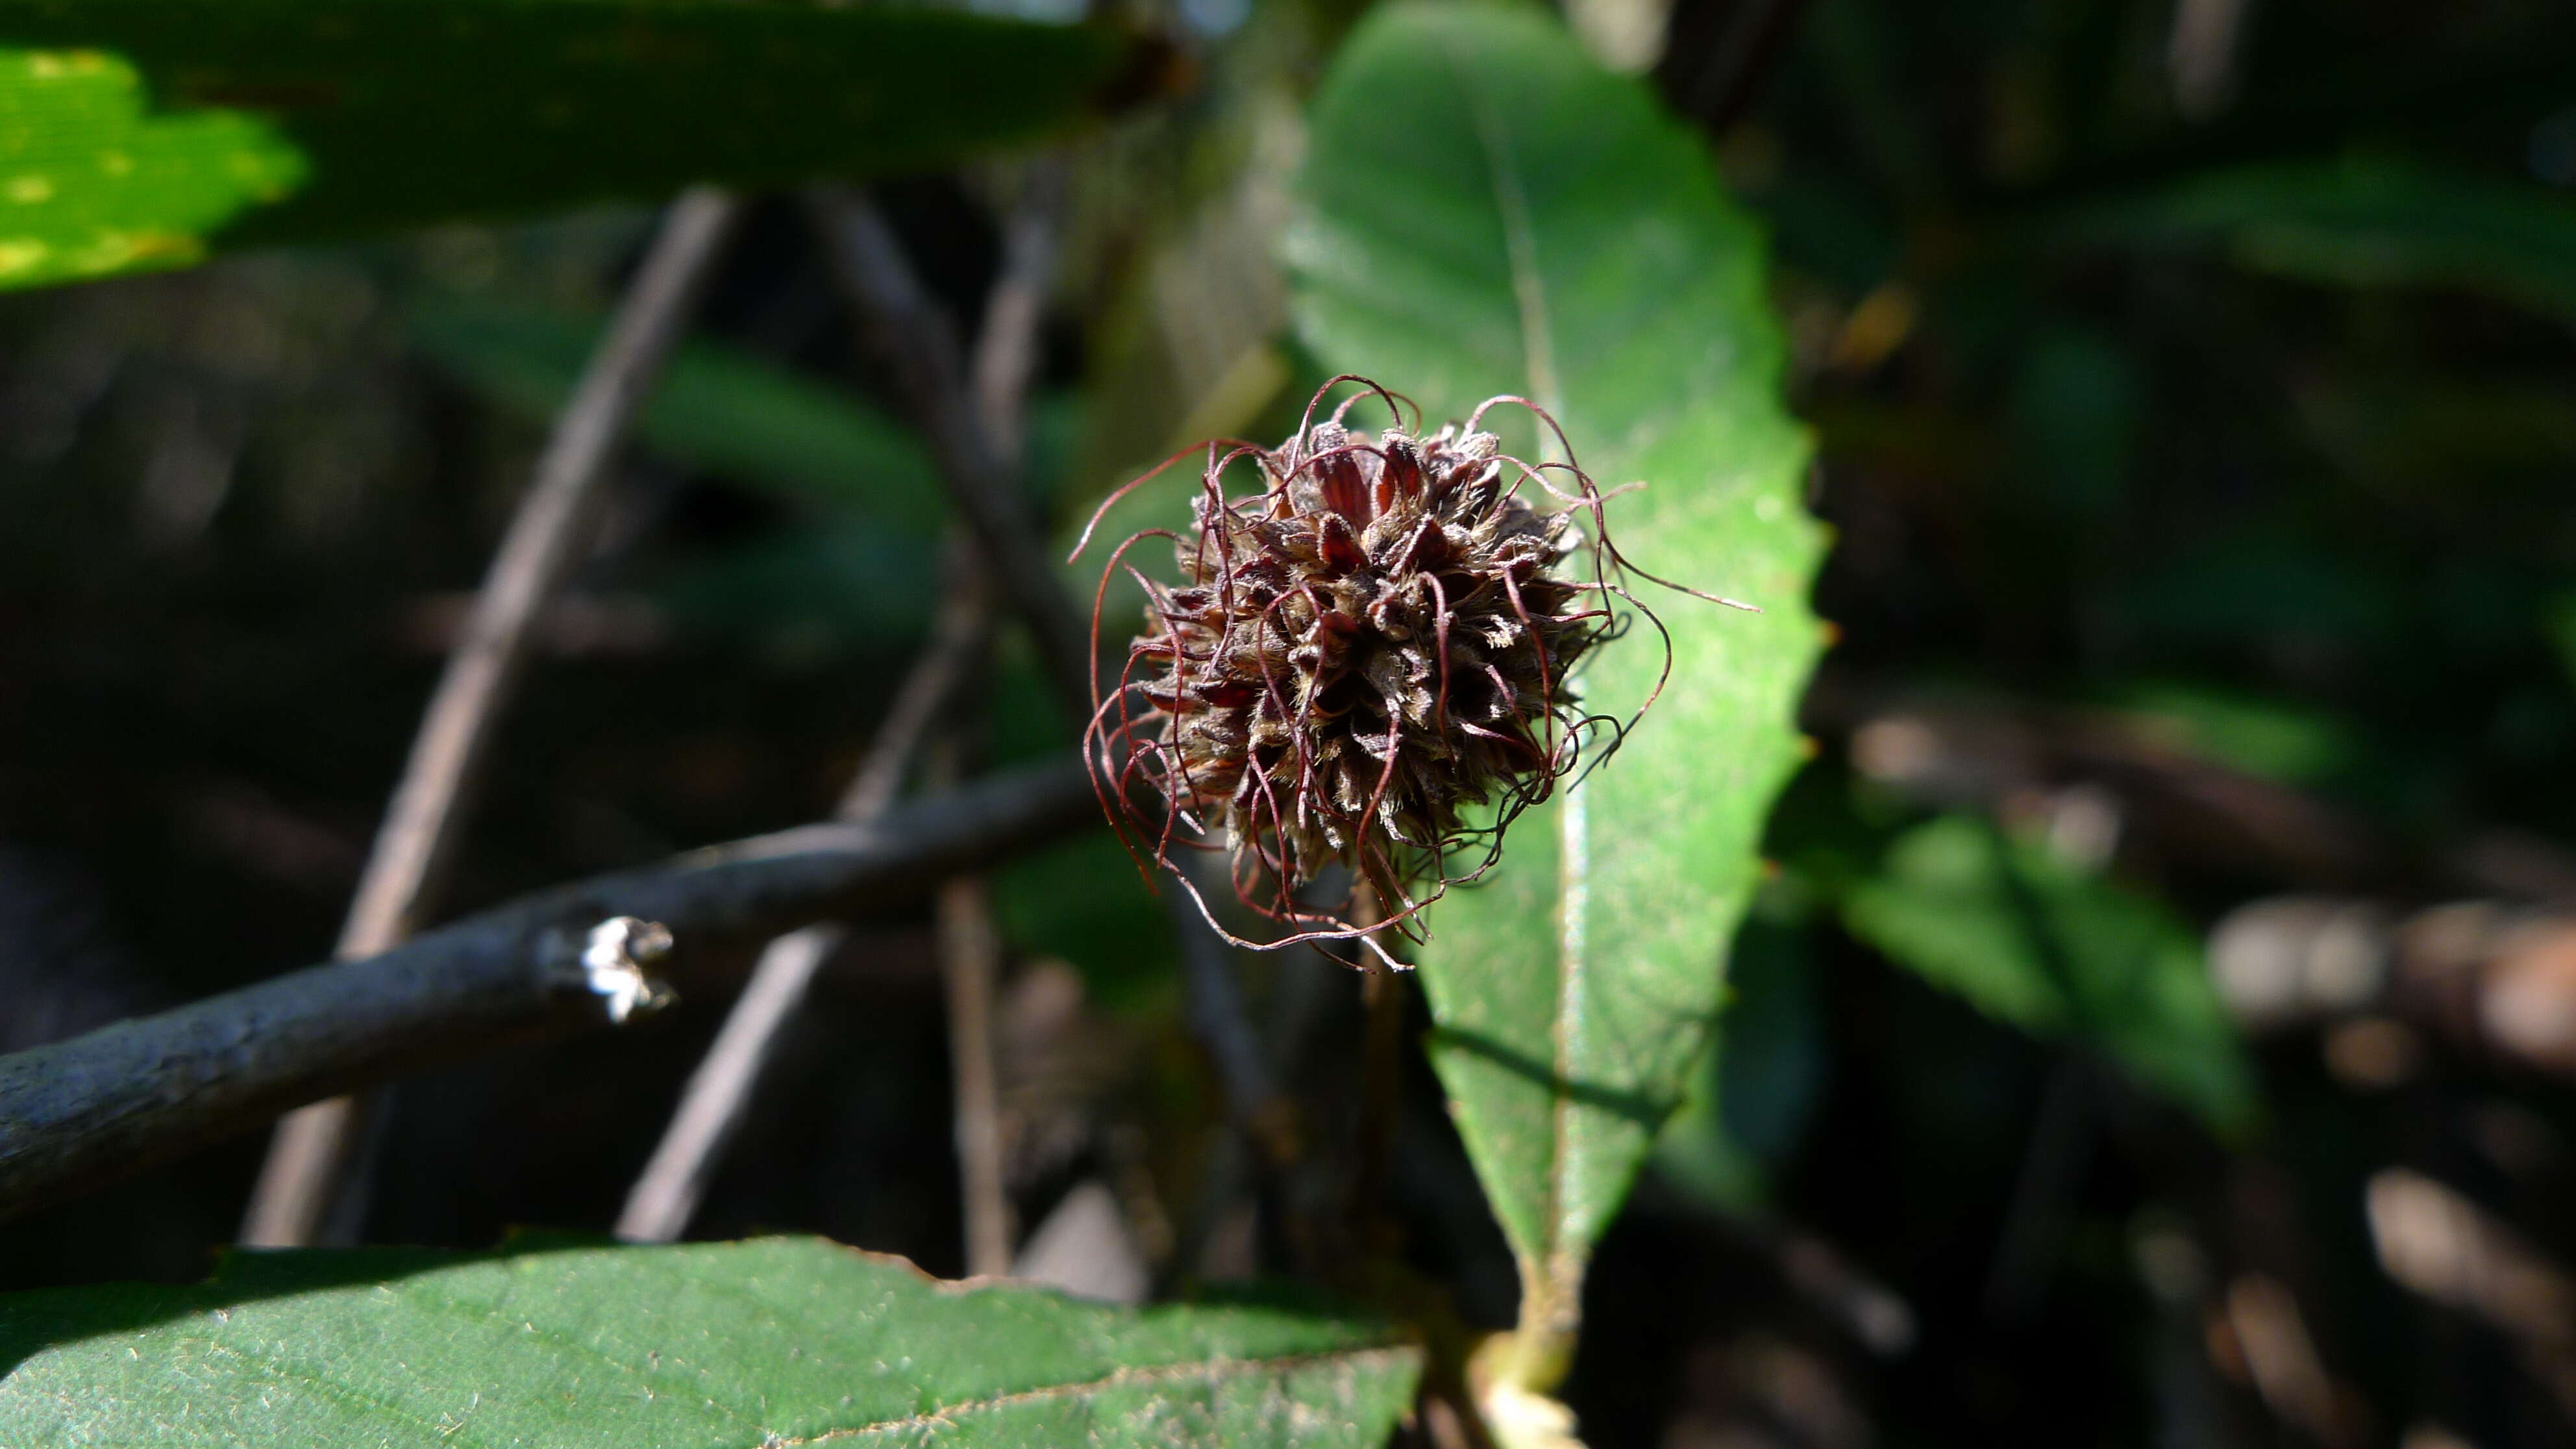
(1755, 1093)
(2363, 221)
(2053, 950)
(716, 408)
(289, 120)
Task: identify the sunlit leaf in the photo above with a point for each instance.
(739, 1345)
(90, 184)
(1487, 211)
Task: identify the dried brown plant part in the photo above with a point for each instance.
(1362, 654)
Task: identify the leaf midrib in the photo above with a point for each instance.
(1538, 363)
(1216, 1370)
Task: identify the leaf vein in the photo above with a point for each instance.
(1209, 1370)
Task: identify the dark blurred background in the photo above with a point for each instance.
(2196, 404)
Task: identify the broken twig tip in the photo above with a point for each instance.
(613, 962)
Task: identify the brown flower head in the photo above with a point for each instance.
(1374, 642)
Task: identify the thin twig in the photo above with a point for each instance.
(309, 1156)
(973, 418)
(1006, 350)
(1212, 995)
(84, 1111)
(970, 954)
(919, 348)
(666, 1195)
(914, 341)
(1381, 1080)
(970, 969)
(970, 942)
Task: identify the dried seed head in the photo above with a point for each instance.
(1373, 643)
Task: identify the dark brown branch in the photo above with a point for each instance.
(82, 1112)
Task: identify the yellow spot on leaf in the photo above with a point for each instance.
(20, 254)
(80, 128)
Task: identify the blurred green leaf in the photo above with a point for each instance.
(2076, 402)
(1487, 211)
(807, 594)
(716, 408)
(335, 118)
(2559, 620)
(2261, 588)
(1751, 1098)
(2366, 221)
(772, 1341)
(2278, 740)
(91, 184)
(2033, 942)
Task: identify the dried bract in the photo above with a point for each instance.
(1358, 653)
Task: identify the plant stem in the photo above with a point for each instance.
(85, 1111)
(310, 1155)
(970, 954)
(970, 968)
(1381, 1080)
(973, 417)
(920, 349)
(711, 1109)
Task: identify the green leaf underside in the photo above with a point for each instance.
(91, 185)
(715, 407)
(1487, 212)
(265, 121)
(2035, 943)
(771, 1342)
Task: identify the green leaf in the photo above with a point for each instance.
(2366, 221)
(1487, 211)
(715, 407)
(90, 184)
(770, 1342)
(2272, 738)
(264, 121)
(2030, 940)
(804, 595)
